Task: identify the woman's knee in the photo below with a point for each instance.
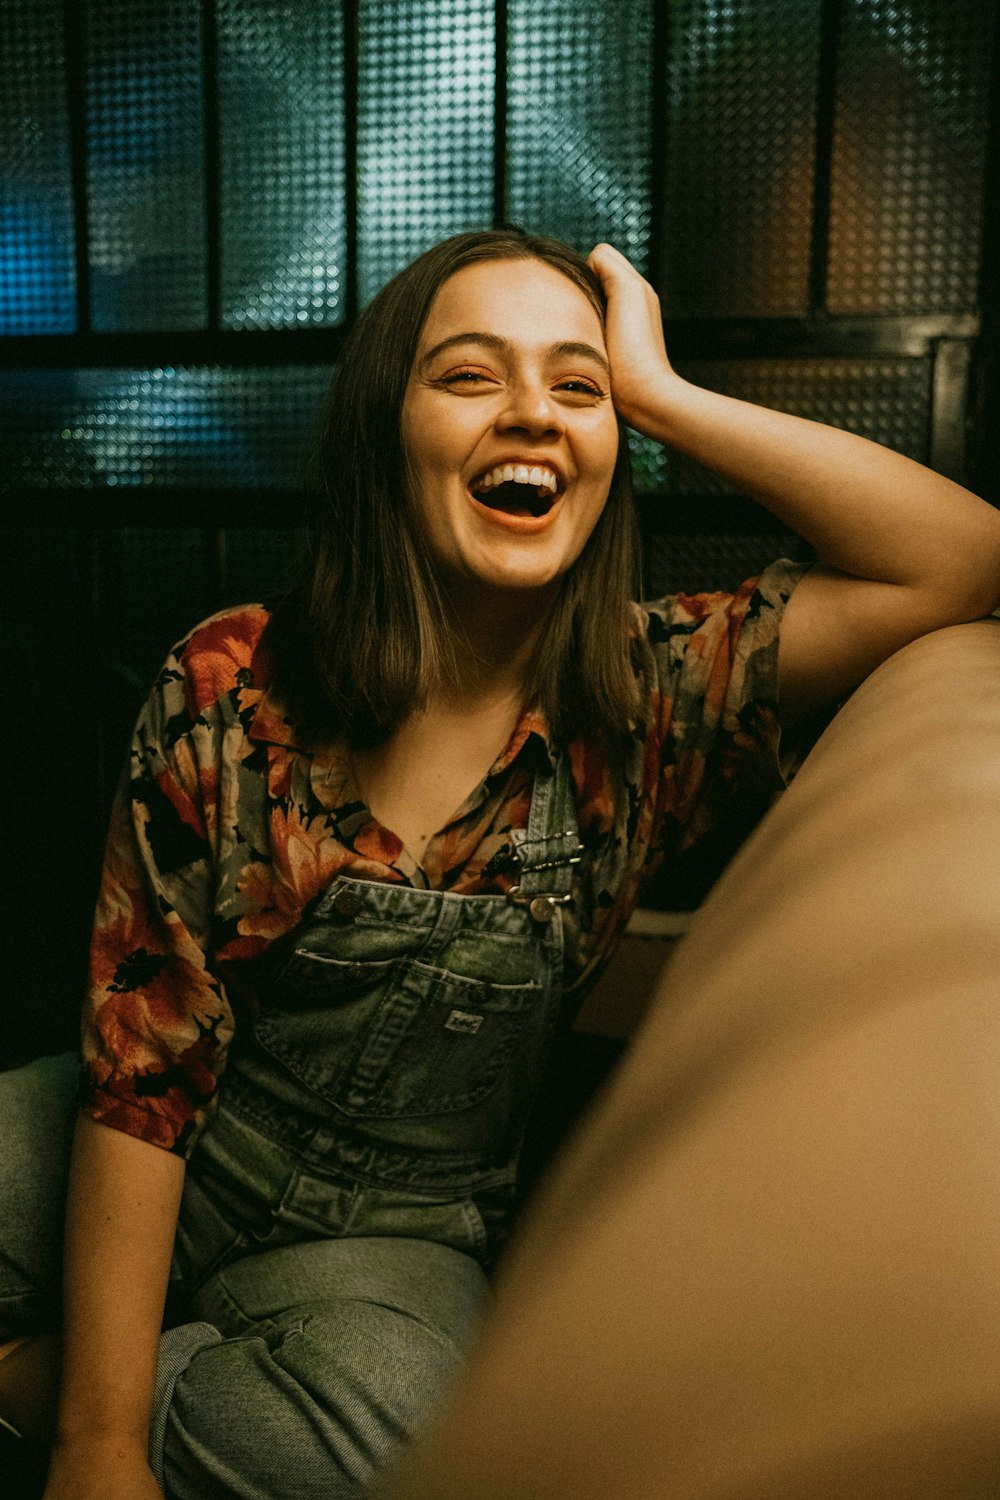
(37, 1115)
(313, 1403)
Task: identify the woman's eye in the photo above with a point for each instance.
(463, 377)
(581, 387)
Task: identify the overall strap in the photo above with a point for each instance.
(548, 849)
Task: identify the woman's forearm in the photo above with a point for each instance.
(867, 510)
(122, 1213)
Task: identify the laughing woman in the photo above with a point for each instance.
(372, 846)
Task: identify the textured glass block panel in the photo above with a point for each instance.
(703, 563)
(578, 121)
(281, 125)
(741, 123)
(887, 400)
(909, 155)
(37, 270)
(146, 164)
(425, 128)
(222, 428)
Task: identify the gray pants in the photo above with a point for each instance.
(304, 1368)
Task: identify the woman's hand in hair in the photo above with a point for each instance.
(641, 374)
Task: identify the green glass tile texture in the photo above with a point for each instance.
(222, 428)
(579, 92)
(886, 400)
(706, 563)
(37, 270)
(281, 167)
(425, 128)
(909, 155)
(145, 164)
(740, 143)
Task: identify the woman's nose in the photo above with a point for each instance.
(530, 408)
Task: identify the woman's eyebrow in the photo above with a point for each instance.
(568, 348)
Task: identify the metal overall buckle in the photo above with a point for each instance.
(540, 906)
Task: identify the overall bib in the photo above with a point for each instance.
(396, 1058)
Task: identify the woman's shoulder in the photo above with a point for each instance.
(225, 652)
(677, 616)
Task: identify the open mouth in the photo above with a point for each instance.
(517, 490)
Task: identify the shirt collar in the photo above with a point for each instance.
(269, 724)
(530, 735)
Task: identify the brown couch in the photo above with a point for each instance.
(769, 1263)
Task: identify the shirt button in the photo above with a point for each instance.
(355, 971)
(347, 903)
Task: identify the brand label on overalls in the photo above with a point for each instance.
(463, 1020)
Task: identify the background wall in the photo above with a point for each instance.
(197, 196)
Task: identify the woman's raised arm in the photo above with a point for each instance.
(902, 550)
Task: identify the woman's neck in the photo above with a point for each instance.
(496, 638)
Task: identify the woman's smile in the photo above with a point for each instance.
(508, 426)
(518, 489)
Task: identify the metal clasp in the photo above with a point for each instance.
(540, 906)
(559, 863)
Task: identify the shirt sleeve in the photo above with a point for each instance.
(156, 1021)
(721, 754)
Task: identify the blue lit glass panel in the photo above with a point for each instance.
(37, 271)
(425, 128)
(190, 426)
(281, 103)
(741, 136)
(578, 121)
(146, 164)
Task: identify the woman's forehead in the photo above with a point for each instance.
(512, 298)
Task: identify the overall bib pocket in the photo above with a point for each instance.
(406, 1039)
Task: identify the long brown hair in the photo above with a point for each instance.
(366, 636)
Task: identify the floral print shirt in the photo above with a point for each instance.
(228, 826)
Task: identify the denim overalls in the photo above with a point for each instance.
(362, 1165)
(396, 1058)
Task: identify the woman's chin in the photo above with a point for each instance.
(487, 592)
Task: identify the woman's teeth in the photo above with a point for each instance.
(537, 475)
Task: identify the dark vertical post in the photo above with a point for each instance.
(75, 45)
(90, 561)
(831, 21)
(500, 118)
(985, 433)
(351, 157)
(212, 157)
(216, 542)
(950, 372)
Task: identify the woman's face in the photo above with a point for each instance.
(508, 425)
